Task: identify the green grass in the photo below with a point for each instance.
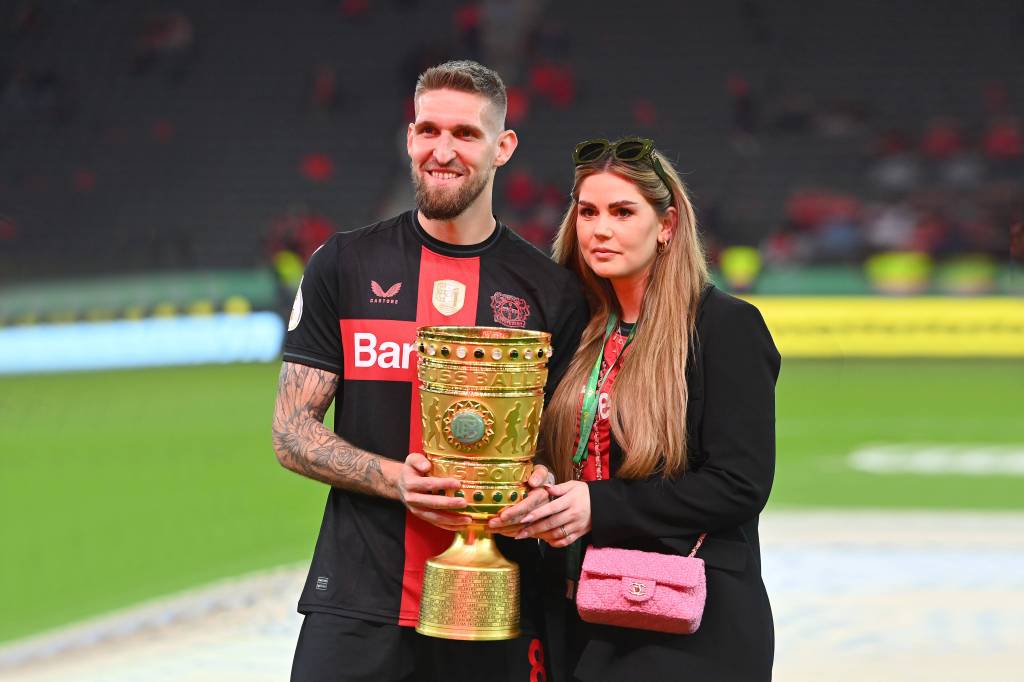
(824, 409)
(118, 486)
(121, 486)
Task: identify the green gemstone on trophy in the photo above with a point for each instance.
(468, 427)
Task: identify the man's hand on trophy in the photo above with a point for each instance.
(419, 492)
(510, 521)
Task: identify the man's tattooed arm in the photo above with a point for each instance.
(304, 445)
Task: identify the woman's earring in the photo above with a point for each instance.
(661, 247)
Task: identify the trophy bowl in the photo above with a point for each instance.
(481, 398)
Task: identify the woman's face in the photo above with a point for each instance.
(618, 230)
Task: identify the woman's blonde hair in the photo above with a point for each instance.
(648, 413)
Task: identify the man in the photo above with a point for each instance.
(350, 339)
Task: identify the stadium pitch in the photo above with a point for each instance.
(123, 486)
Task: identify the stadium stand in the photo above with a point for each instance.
(138, 139)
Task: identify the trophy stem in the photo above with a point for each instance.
(470, 591)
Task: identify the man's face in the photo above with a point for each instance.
(454, 146)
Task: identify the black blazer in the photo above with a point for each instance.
(731, 432)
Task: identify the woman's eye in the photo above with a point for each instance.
(587, 212)
(623, 212)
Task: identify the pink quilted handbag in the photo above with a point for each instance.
(646, 590)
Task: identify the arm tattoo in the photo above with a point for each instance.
(304, 445)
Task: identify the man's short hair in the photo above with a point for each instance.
(467, 76)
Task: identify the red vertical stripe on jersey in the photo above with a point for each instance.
(424, 540)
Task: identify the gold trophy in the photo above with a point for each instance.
(481, 398)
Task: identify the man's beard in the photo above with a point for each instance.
(437, 204)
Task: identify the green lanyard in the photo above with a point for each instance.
(591, 393)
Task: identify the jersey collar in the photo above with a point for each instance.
(456, 250)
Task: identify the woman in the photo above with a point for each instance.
(683, 440)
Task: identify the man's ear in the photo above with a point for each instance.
(408, 138)
(507, 143)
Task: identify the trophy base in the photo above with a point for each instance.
(470, 591)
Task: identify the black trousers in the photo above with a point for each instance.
(338, 649)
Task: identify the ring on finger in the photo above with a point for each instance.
(565, 533)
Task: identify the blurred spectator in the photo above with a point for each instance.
(518, 105)
(996, 98)
(744, 111)
(164, 43)
(963, 171)
(740, 266)
(794, 113)
(896, 169)
(931, 233)
(521, 189)
(744, 114)
(298, 231)
(786, 247)
(83, 180)
(467, 26)
(645, 114)
(163, 131)
(842, 117)
(840, 240)
(324, 96)
(897, 174)
(317, 167)
(505, 29)
(37, 95)
(1003, 140)
(550, 42)
(537, 232)
(417, 60)
(537, 207)
(980, 235)
(1017, 242)
(809, 208)
(942, 139)
(890, 228)
(821, 224)
(31, 19)
(893, 141)
(554, 82)
(354, 10)
(755, 22)
(8, 228)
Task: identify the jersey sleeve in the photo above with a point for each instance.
(314, 335)
(573, 315)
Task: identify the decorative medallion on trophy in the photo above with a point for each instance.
(481, 397)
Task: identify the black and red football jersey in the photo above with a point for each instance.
(363, 295)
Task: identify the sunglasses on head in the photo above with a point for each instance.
(627, 150)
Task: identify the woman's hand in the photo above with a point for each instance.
(564, 519)
(510, 521)
(417, 487)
